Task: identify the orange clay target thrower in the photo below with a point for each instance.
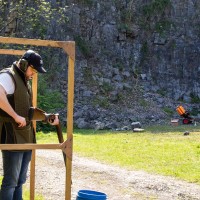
(185, 115)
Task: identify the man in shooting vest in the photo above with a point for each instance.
(15, 128)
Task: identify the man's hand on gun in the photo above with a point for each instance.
(53, 119)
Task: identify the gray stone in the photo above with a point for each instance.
(87, 93)
(83, 124)
(135, 125)
(111, 125)
(117, 78)
(99, 126)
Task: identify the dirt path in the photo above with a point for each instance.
(117, 183)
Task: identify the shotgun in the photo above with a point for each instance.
(40, 115)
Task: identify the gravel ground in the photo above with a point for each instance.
(117, 183)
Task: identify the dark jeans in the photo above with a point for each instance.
(15, 167)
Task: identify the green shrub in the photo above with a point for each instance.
(168, 111)
(106, 87)
(86, 2)
(48, 100)
(144, 103)
(194, 98)
(157, 6)
(83, 46)
(162, 26)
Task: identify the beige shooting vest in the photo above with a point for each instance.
(20, 101)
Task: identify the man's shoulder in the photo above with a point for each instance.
(7, 82)
(9, 71)
(6, 72)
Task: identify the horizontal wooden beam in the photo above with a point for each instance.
(68, 46)
(28, 146)
(34, 42)
(12, 52)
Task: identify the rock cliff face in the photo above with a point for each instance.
(127, 50)
(151, 43)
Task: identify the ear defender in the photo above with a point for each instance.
(23, 65)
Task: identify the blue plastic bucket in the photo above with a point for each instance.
(90, 195)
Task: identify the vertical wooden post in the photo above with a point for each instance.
(32, 170)
(69, 125)
(32, 176)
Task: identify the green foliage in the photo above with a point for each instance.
(144, 103)
(137, 70)
(197, 27)
(162, 26)
(107, 87)
(169, 111)
(51, 100)
(102, 102)
(127, 16)
(48, 100)
(173, 44)
(144, 56)
(157, 6)
(194, 112)
(35, 17)
(86, 2)
(83, 46)
(194, 98)
(124, 27)
(145, 49)
(87, 72)
(119, 66)
(162, 92)
(153, 17)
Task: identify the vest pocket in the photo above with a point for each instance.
(24, 134)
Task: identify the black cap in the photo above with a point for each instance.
(35, 60)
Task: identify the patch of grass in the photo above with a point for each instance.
(50, 138)
(169, 111)
(26, 195)
(160, 149)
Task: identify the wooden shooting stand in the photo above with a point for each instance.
(69, 49)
